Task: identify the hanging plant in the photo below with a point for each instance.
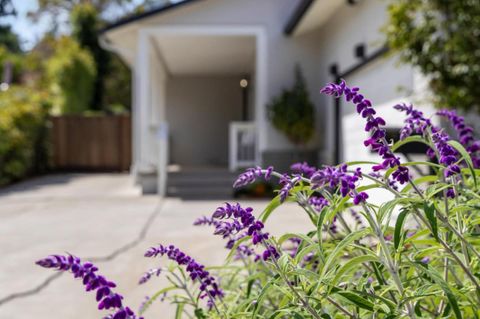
(292, 112)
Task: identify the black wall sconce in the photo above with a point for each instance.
(360, 51)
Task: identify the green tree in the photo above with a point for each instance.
(9, 39)
(85, 25)
(71, 73)
(442, 39)
(292, 112)
(112, 83)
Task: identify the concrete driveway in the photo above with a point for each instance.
(101, 217)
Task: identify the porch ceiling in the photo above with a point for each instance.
(206, 54)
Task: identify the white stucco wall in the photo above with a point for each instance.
(199, 110)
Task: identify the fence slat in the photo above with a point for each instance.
(91, 143)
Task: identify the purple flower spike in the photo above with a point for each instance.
(416, 122)
(374, 126)
(146, 276)
(318, 202)
(465, 135)
(242, 220)
(425, 260)
(251, 174)
(287, 185)
(360, 198)
(450, 193)
(106, 298)
(337, 177)
(303, 169)
(208, 284)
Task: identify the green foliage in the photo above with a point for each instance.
(85, 25)
(23, 131)
(292, 112)
(9, 39)
(117, 89)
(442, 38)
(71, 72)
(16, 61)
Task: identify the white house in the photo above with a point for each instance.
(204, 71)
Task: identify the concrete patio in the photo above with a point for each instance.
(100, 217)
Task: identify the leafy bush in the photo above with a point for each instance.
(15, 59)
(441, 38)
(23, 131)
(292, 112)
(414, 255)
(71, 71)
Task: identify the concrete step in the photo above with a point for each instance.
(201, 184)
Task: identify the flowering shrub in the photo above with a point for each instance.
(415, 255)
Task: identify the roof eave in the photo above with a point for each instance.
(143, 15)
(297, 16)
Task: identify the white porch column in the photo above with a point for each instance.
(142, 105)
(260, 93)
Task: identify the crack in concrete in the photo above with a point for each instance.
(114, 254)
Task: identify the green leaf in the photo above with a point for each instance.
(356, 300)
(199, 313)
(348, 266)
(420, 180)
(155, 296)
(398, 228)
(352, 163)
(437, 278)
(410, 139)
(274, 204)
(179, 311)
(262, 295)
(340, 246)
(432, 219)
(466, 157)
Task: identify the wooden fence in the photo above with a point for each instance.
(92, 143)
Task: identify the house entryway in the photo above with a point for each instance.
(197, 104)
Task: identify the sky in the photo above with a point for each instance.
(31, 32)
(28, 31)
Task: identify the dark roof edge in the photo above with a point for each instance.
(143, 15)
(297, 16)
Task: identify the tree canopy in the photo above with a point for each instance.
(442, 39)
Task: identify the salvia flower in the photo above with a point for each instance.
(303, 169)
(337, 177)
(196, 271)
(228, 230)
(333, 226)
(107, 299)
(356, 216)
(146, 276)
(238, 219)
(465, 134)
(374, 126)
(287, 185)
(251, 174)
(425, 260)
(418, 123)
(318, 202)
(360, 198)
